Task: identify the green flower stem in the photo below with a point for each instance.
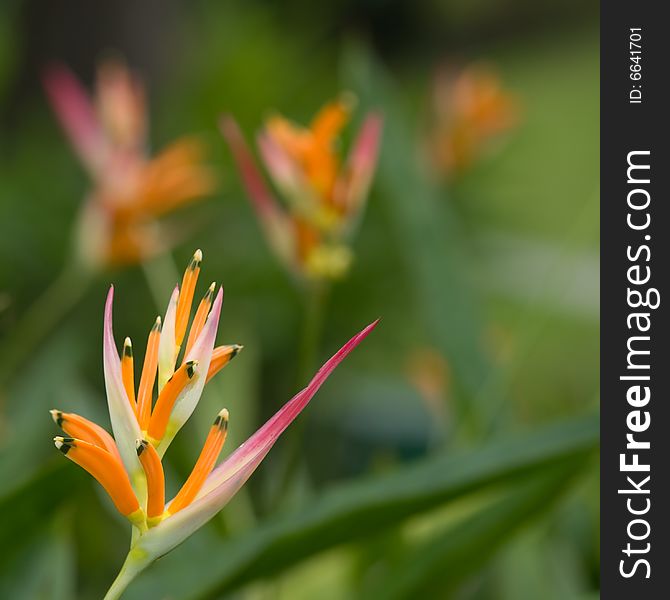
(316, 299)
(316, 296)
(135, 563)
(42, 316)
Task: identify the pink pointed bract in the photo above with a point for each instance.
(260, 195)
(76, 115)
(261, 441)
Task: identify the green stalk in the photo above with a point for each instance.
(135, 563)
(315, 298)
(42, 316)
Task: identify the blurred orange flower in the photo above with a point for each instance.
(324, 196)
(430, 374)
(470, 109)
(119, 221)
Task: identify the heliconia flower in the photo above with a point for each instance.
(323, 194)
(179, 361)
(470, 109)
(119, 222)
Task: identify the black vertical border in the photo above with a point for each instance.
(627, 127)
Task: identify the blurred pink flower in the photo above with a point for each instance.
(130, 189)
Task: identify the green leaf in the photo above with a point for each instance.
(438, 567)
(358, 509)
(44, 567)
(33, 502)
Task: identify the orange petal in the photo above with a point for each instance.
(293, 139)
(330, 120)
(166, 399)
(164, 191)
(107, 470)
(221, 356)
(128, 372)
(77, 426)
(153, 469)
(200, 317)
(148, 378)
(320, 161)
(186, 296)
(204, 465)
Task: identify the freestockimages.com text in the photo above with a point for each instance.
(641, 299)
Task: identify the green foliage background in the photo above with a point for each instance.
(492, 494)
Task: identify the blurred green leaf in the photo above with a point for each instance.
(33, 477)
(358, 509)
(553, 560)
(438, 567)
(33, 503)
(44, 569)
(50, 379)
(536, 271)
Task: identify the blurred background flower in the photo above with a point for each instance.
(455, 457)
(470, 110)
(119, 223)
(324, 195)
